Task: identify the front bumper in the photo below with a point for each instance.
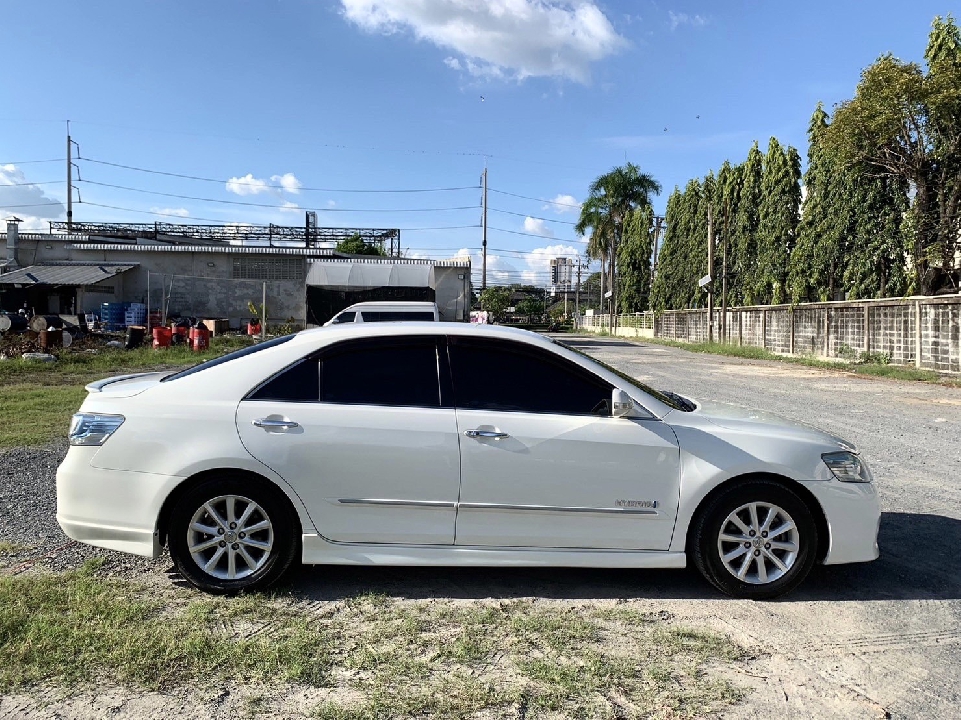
(112, 509)
(853, 514)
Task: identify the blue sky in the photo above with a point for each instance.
(299, 101)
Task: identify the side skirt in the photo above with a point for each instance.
(317, 550)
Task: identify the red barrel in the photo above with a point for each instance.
(253, 328)
(199, 339)
(162, 337)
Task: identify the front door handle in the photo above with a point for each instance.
(486, 434)
(271, 424)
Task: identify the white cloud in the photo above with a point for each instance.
(250, 185)
(563, 204)
(531, 269)
(500, 38)
(174, 212)
(28, 202)
(685, 19)
(537, 227)
(331, 203)
(289, 182)
(289, 206)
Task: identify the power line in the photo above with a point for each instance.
(542, 237)
(532, 217)
(31, 205)
(240, 181)
(34, 162)
(267, 205)
(576, 206)
(45, 182)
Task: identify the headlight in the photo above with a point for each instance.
(93, 429)
(847, 467)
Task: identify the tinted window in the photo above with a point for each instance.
(497, 375)
(227, 358)
(344, 317)
(396, 316)
(298, 383)
(388, 371)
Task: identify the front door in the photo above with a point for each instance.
(363, 435)
(543, 463)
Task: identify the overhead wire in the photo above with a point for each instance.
(528, 197)
(33, 162)
(241, 181)
(268, 205)
(532, 217)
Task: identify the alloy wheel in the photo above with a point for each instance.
(230, 537)
(758, 543)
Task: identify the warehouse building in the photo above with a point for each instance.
(218, 271)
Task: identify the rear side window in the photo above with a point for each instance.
(398, 372)
(344, 317)
(511, 377)
(396, 316)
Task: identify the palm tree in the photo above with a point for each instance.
(599, 243)
(611, 198)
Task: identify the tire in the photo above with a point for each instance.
(250, 556)
(727, 562)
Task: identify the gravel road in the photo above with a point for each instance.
(864, 641)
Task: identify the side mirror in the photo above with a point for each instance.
(621, 403)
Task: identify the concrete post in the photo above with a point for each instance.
(917, 333)
(867, 327)
(764, 329)
(791, 343)
(827, 332)
(740, 327)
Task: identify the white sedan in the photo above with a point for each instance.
(451, 444)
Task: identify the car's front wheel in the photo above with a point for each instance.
(756, 540)
(232, 534)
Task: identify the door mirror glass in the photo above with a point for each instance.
(621, 403)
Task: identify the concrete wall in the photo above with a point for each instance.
(920, 331)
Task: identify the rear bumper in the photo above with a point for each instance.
(112, 509)
(853, 515)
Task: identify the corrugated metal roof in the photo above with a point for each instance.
(62, 274)
(226, 249)
(452, 262)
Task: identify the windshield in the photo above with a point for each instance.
(672, 400)
(228, 357)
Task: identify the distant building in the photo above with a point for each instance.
(215, 271)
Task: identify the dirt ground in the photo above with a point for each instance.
(865, 641)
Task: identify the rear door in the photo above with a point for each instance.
(367, 438)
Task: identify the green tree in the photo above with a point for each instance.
(744, 232)
(777, 221)
(728, 194)
(530, 307)
(495, 300)
(611, 198)
(355, 245)
(877, 258)
(634, 261)
(905, 124)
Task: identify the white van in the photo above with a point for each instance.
(386, 312)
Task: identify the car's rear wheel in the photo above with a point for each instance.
(231, 534)
(755, 540)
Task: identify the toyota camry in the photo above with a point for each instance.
(452, 444)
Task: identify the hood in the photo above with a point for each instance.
(126, 385)
(744, 419)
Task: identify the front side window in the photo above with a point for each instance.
(344, 317)
(512, 377)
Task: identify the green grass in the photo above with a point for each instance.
(896, 372)
(378, 657)
(9, 548)
(37, 399)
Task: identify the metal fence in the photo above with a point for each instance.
(636, 321)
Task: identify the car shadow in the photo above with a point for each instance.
(920, 560)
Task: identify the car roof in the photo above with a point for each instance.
(392, 304)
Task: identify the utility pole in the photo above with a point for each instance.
(657, 235)
(724, 277)
(710, 272)
(577, 293)
(484, 237)
(69, 181)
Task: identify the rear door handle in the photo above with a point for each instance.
(486, 434)
(269, 424)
